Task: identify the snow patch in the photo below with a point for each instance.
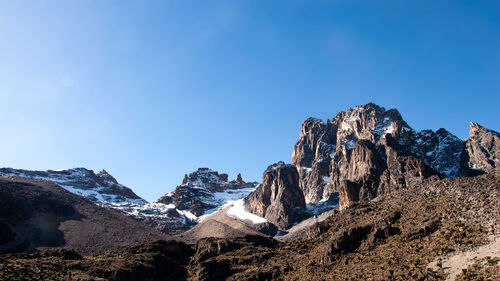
(188, 215)
(345, 126)
(230, 195)
(349, 144)
(238, 211)
(321, 207)
(352, 118)
(326, 179)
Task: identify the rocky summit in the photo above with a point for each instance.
(367, 151)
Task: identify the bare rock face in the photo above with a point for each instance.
(483, 148)
(279, 198)
(403, 169)
(357, 176)
(312, 156)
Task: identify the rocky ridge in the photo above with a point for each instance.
(104, 190)
(205, 190)
(100, 187)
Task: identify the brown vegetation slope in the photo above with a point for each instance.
(395, 237)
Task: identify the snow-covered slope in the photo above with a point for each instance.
(101, 187)
(441, 150)
(211, 191)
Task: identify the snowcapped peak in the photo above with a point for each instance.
(205, 190)
(204, 177)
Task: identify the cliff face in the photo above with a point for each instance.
(312, 156)
(483, 148)
(279, 198)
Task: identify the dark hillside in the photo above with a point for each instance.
(36, 214)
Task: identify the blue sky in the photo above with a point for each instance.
(152, 90)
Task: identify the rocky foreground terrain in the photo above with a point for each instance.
(410, 234)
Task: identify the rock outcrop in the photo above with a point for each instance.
(279, 198)
(205, 190)
(483, 148)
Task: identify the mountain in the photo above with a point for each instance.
(411, 234)
(360, 154)
(37, 214)
(412, 205)
(368, 151)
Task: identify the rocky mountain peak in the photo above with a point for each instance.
(319, 142)
(205, 190)
(106, 176)
(476, 130)
(368, 121)
(205, 177)
(359, 144)
(313, 133)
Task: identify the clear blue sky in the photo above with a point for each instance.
(152, 90)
